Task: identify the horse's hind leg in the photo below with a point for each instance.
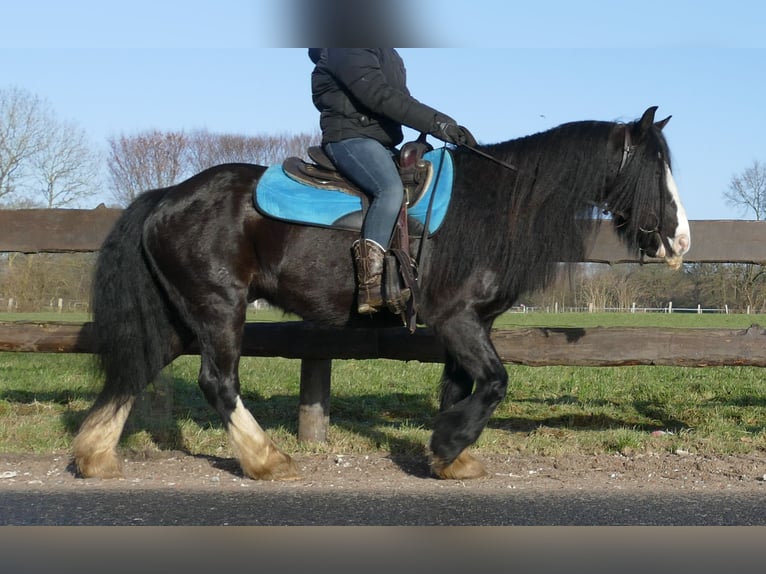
(257, 454)
(95, 446)
(220, 344)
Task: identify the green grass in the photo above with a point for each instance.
(388, 406)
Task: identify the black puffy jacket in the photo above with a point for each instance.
(362, 92)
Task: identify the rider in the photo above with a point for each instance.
(363, 100)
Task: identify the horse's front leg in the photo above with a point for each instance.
(471, 360)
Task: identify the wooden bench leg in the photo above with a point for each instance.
(314, 408)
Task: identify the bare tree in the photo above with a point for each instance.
(146, 161)
(707, 284)
(66, 167)
(748, 190)
(207, 149)
(596, 290)
(155, 159)
(34, 280)
(24, 123)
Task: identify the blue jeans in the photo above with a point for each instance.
(371, 166)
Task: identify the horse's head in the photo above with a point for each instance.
(643, 197)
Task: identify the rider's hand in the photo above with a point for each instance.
(448, 130)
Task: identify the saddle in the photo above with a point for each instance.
(400, 270)
(320, 171)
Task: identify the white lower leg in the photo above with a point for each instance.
(257, 454)
(95, 446)
(248, 439)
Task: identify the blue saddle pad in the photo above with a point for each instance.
(281, 197)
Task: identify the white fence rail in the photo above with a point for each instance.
(669, 308)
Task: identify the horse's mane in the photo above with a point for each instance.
(520, 225)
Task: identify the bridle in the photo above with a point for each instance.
(627, 149)
(627, 152)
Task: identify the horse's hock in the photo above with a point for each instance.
(63, 230)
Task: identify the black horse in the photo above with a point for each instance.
(182, 263)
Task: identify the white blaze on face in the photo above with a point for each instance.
(680, 241)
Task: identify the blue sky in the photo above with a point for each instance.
(230, 66)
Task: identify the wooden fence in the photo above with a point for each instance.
(58, 230)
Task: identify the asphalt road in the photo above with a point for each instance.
(348, 508)
(529, 532)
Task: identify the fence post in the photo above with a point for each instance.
(154, 408)
(314, 407)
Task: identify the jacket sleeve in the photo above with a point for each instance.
(359, 71)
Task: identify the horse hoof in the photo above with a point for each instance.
(95, 466)
(464, 467)
(278, 466)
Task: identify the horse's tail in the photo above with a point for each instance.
(133, 320)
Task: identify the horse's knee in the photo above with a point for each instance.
(456, 384)
(493, 392)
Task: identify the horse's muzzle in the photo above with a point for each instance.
(679, 246)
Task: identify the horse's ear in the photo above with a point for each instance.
(662, 123)
(647, 119)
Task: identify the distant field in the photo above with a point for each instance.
(386, 405)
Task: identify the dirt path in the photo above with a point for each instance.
(176, 470)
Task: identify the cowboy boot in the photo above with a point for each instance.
(369, 273)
